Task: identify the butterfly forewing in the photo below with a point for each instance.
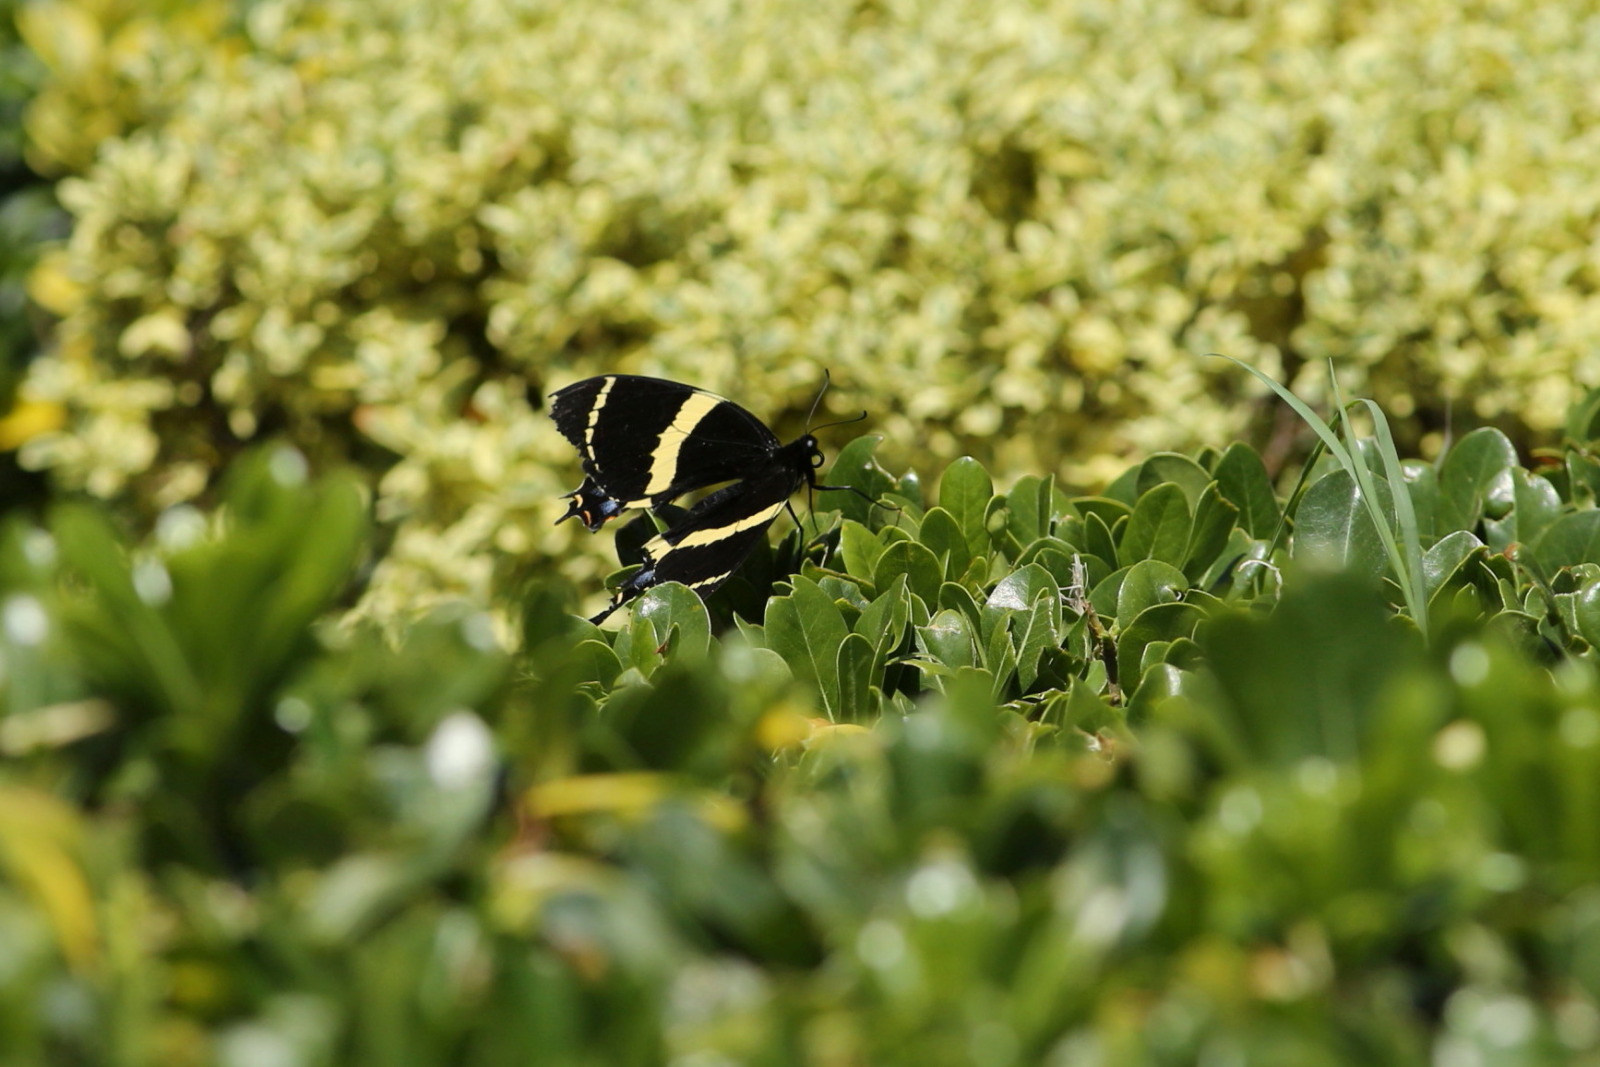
(646, 441)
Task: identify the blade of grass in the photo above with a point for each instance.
(1408, 565)
(1311, 418)
(1369, 498)
(1405, 513)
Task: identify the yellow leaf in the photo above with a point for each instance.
(586, 793)
(65, 37)
(38, 838)
(28, 420)
(52, 288)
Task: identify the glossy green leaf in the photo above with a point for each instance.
(1467, 476)
(640, 647)
(1224, 570)
(944, 538)
(857, 675)
(958, 597)
(1159, 683)
(1162, 622)
(1172, 468)
(949, 638)
(1214, 520)
(1030, 507)
(1099, 541)
(920, 566)
(594, 661)
(1442, 561)
(1242, 480)
(1105, 593)
(1020, 589)
(999, 659)
(1333, 528)
(1422, 482)
(1159, 527)
(884, 621)
(806, 629)
(1572, 539)
(859, 549)
(1148, 583)
(1108, 509)
(1587, 610)
(1053, 556)
(673, 606)
(1535, 505)
(965, 491)
(856, 466)
(1033, 633)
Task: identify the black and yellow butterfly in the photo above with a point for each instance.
(647, 441)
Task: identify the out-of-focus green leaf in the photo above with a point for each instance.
(1325, 653)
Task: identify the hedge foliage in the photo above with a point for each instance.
(24, 213)
(369, 226)
(1005, 777)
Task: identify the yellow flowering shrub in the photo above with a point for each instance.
(385, 229)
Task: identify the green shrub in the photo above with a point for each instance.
(1010, 777)
(377, 227)
(27, 217)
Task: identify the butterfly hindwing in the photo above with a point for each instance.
(704, 549)
(646, 441)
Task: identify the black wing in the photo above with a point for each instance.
(646, 441)
(715, 536)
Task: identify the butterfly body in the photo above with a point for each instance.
(646, 441)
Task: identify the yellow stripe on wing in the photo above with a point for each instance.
(659, 546)
(664, 464)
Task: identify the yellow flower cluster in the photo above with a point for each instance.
(1009, 228)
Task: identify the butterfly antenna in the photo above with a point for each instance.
(826, 379)
(841, 422)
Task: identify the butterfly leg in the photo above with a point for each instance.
(631, 589)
